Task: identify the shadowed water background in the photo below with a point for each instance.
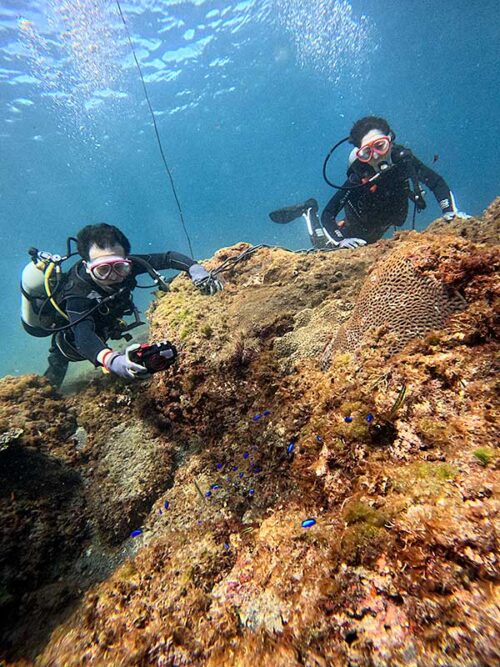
(248, 98)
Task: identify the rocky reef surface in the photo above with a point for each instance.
(355, 389)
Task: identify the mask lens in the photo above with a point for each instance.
(381, 146)
(364, 153)
(122, 269)
(101, 271)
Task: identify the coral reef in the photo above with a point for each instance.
(214, 466)
(403, 301)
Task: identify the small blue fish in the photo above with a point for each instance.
(219, 466)
(214, 487)
(208, 494)
(235, 468)
(136, 533)
(160, 512)
(251, 492)
(290, 448)
(246, 455)
(348, 420)
(319, 438)
(256, 418)
(240, 475)
(266, 413)
(226, 546)
(307, 523)
(257, 469)
(166, 504)
(369, 418)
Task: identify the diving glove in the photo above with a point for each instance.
(450, 211)
(204, 281)
(120, 364)
(456, 214)
(341, 242)
(351, 243)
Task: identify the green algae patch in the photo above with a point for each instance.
(359, 512)
(424, 480)
(440, 471)
(485, 455)
(364, 538)
(363, 543)
(435, 432)
(206, 331)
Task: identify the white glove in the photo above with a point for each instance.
(120, 364)
(351, 243)
(456, 214)
(204, 281)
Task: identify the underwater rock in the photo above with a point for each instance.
(394, 455)
(132, 470)
(42, 510)
(10, 436)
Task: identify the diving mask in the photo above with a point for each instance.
(110, 268)
(374, 149)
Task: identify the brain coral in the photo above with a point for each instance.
(402, 299)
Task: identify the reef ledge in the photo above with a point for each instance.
(353, 388)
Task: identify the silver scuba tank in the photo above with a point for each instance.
(34, 295)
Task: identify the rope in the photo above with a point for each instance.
(229, 263)
(158, 139)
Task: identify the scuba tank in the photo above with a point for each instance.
(40, 281)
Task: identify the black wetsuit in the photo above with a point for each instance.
(372, 209)
(80, 293)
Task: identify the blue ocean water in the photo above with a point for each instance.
(249, 96)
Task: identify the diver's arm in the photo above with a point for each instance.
(165, 260)
(207, 283)
(87, 342)
(436, 183)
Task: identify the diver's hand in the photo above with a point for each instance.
(120, 365)
(351, 243)
(204, 281)
(448, 217)
(209, 286)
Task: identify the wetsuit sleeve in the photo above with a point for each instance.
(332, 209)
(87, 342)
(166, 260)
(434, 182)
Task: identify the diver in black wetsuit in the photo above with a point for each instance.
(107, 269)
(381, 178)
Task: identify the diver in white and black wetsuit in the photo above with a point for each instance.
(382, 177)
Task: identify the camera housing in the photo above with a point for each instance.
(156, 357)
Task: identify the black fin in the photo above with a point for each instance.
(285, 215)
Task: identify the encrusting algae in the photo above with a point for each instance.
(295, 501)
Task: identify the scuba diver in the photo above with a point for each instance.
(382, 177)
(84, 308)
